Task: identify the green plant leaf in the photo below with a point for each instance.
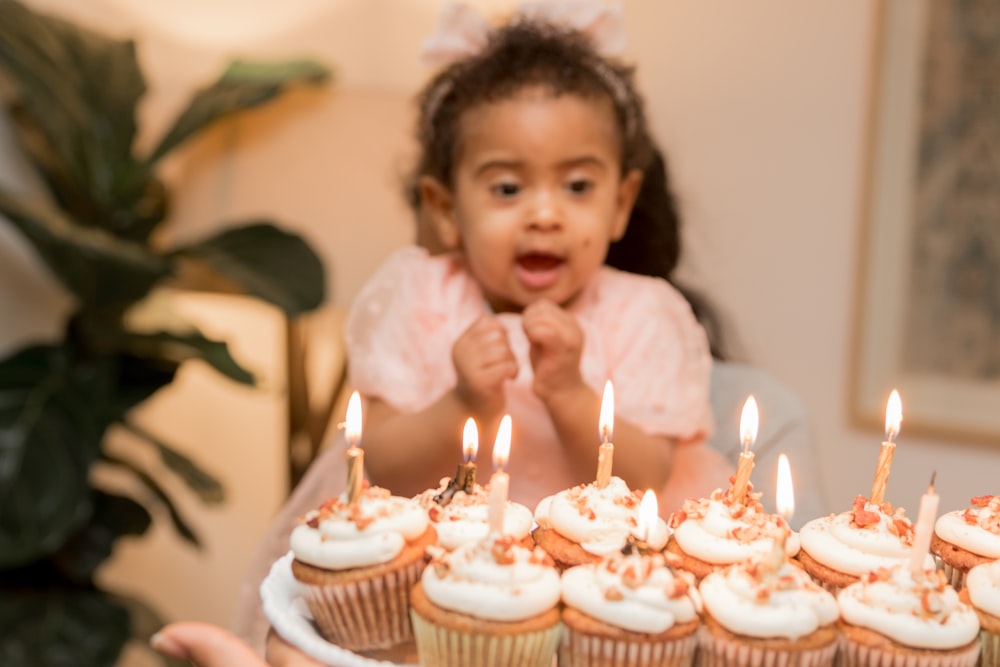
(138, 379)
(51, 424)
(59, 626)
(242, 86)
(268, 262)
(208, 488)
(180, 347)
(73, 95)
(101, 270)
(159, 495)
(113, 517)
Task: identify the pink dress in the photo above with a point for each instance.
(639, 332)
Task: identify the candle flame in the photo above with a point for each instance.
(470, 440)
(501, 447)
(606, 423)
(649, 511)
(893, 416)
(748, 423)
(784, 497)
(352, 424)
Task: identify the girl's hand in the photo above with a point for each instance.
(556, 345)
(483, 362)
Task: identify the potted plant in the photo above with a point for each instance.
(72, 96)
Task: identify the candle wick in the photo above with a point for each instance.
(930, 488)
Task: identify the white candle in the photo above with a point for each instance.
(784, 501)
(355, 455)
(500, 481)
(749, 420)
(924, 529)
(893, 418)
(606, 425)
(649, 511)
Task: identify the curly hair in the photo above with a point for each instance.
(525, 54)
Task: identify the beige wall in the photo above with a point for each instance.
(763, 110)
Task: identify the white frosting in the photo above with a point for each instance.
(493, 579)
(976, 529)
(339, 536)
(983, 582)
(599, 520)
(637, 593)
(466, 517)
(921, 614)
(756, 601)
(719, 532)
(838, 542)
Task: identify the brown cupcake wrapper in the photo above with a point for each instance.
(854, 654)
(714, 651)
(954, 575)
(443, 647)
(368, 614)
(578, 649)
(990, 655)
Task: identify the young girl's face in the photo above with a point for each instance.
(538, 195)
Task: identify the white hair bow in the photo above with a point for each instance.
(462, 31)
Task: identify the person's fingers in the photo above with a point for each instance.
(205, 645)
(282, 654)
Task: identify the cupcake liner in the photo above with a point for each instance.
(990, 655)
(582, 650)
(367, 614)
(854, 654)
(438, 646)
(716, 651)
(954, 575)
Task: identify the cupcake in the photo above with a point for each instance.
(966, 538)
(460, 516)
(982, 592)
(357, 563)
(894, 618)
(714, 532)
(585, 523)
(628, 610)
(766, 611)
(840, 548)
(491, 603)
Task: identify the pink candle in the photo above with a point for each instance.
(924, 529)
(500, 481)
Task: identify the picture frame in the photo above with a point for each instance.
(929, 292)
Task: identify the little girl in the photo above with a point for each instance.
(533, 152)
(533, 155)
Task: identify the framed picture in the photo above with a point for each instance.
(929, 294)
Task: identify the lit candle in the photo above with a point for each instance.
(924, 529)
(500, 481)
(648, 513)
(355, 455)
(784, 501)
(748, 435)
(784, 496)
(465, 475)
(606, 425)
(893, 418)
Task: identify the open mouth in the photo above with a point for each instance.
(537, 270)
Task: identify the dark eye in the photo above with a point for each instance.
(506, 190)
(580, 186)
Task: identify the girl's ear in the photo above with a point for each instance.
(628, 190)
(437, 209)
